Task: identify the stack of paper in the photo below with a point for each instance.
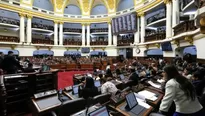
(154, 84)
(148, 95)
(141, 101)
(160, 80)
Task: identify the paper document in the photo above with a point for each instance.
(139, 97)
(143, 104)
(154, 84)
(148, 95)
(160, 80)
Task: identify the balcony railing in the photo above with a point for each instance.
(184, 27)
(42, 41)
(69, 42)
(41, 26)
(156, 36)
(72, 30)
(99, 30)
(157, 17)
(125, 42)
(99, 43)
(186, 2)
(9, 39)
(9, 21)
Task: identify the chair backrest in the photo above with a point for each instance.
(72, 106)
(102, 99)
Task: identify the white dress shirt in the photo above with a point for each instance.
(173, 92)
(109, 87)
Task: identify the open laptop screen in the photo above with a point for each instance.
(97, 83)
(75, 89)
(99, 112)
(122, 77)
(131, 100)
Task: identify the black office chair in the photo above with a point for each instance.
(102, 99)
(72, 106)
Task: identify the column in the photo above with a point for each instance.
(175, 16)
(55, 32)
(115, 40)
(88, 34)
(142, 19)
(137, 35)
(22, 25)
(110, 34)
(61, 33)
(28, 30)
(83, 34)
(169, 18)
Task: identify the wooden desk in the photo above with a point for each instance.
(145, 112)
(70, 95)
(45, 105)
(156, 89)
(159, 97)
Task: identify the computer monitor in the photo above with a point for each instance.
(97, 83)
(131, 100)
(45, 68)
(122, 77)
(100, 112)
(75, 89)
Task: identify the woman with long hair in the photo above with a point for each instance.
(89, 90)
(180, 90)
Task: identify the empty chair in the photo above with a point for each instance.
(102, 99)
(72, 106)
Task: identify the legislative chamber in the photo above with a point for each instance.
(102, 58)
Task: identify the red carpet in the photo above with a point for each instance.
(66, 78)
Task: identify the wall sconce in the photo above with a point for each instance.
(176, 42)
(158, 45)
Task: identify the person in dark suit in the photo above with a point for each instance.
(1, 58)
(134, 76)
(10, 64)
(198, 82)
(29, 69)
(89, 90)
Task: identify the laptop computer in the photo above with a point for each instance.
(132, 104)
(100, 112)
(122, 77)
(97, 83)
(75, 89)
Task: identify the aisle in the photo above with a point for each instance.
(66, 78)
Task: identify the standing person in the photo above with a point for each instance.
(180, 90)
(10, 64)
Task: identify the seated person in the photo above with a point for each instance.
(109, 73)
(99, 77)
(134, 76)
(29, 69)
(89, 90)
(198, 82)
(108, 86)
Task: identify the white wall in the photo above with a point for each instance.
(72, 9)
(125, 4)
(99, 25)
(99, 9)
(44, 4)
(112, 52)
(42, 21)
(25, 50)
(72, 25)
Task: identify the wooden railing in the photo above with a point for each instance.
(154, 37)
(184, 27)
(9, 39)
(72, 30)
(66, 42)
(99, 30)
(157, 17)
(42, 41)
(42, 26)
(125, 42)
(9, 21)
(99, 43)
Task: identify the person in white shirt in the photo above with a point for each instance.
(108, 86)
(180, 90)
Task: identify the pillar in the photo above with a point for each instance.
(83, 34)
(175, 17)
(142, 19)
(88, 34)
(22, 25)
(137, 35)
(55, 32)
(110, 34)
(168, 18)
(115, 40)
(61, 33)
(29, 30)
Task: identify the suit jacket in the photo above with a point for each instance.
(88, 92)
(183, 104)
(10, 63)
(134, 77)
